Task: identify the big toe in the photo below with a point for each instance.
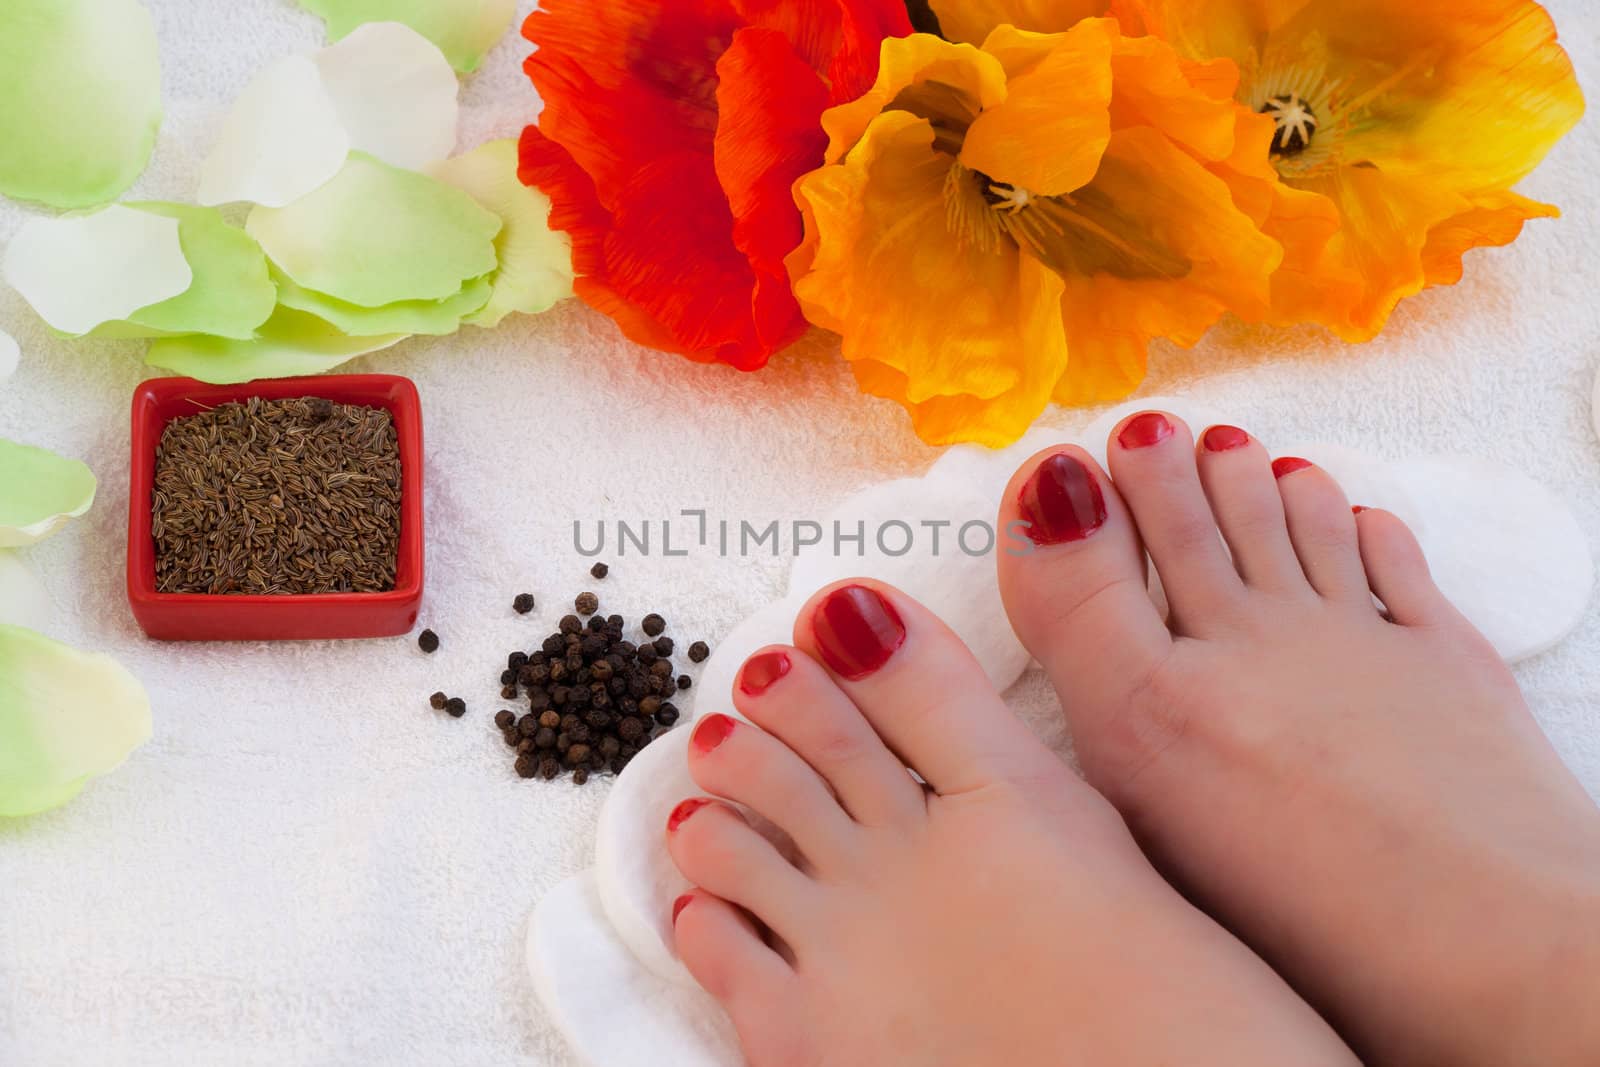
(1074, 583)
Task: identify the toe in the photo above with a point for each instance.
(1398, 572)
(1236, 473)
(1322, 528)
(741, 763)
(725, 953)
(717, 850)
(1080, 605)
(919, 688)
(789, 695)
(1152, 459)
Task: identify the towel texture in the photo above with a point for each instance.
(307, 865)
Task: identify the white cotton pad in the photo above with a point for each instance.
(79, 271)
(23, 599)
(282, 139)
(1505, 550)
(1367, 481)
(1199, 417)
(986, 471)
(713, 690)
(613, 1011)
(636, 879)
(394, 92)
(949, 568)
(1597, 405)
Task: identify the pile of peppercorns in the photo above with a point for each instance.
(595, 699)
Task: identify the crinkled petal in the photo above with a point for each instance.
(768, 100)
(24, 601)
(837, 38)
(1048, 134)
(66, 717)
(10, 355)
(231, 294)
(289, 344)
(971, 21)
(1492, 220)
(282, 139)
(378, 235)
(435, 317)
(969, 339)
(80, 99)
(464, 30)
(84, 270)
(535, 271)
(40, 492)
(394, 92)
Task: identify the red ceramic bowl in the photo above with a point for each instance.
(202, 617)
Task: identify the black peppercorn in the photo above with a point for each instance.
(438, 701)
(523, 603)
(581, 775)
(428, 641)
(586, 603)
(527, 765)
(577, 754)
(653, 624)
(554, 645)
(538, 700)
(649, 705)
(456, 707)
(663, 646)
(661, 668)
(647, 653)
(527, 726)
(602, 671)
(549, 768)
(570, 625)
(684, 681)
(630, 730)
(505, 719)
(508, 692)
(599, 570)
(545, 738)
(550, 720)
(667, 716)
(517, 660)
(698, 652)
(609, 746)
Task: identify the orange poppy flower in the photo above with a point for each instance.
(1412, 121)
(1004, 226)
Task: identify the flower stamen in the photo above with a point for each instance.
(1296, 123)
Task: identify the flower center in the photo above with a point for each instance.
(1296, 123)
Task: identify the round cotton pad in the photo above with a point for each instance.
(613, 1011)
(1367, 481)
(1505, 550)
(935, 540)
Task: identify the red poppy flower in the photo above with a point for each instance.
(672, 133)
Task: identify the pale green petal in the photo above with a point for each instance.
(39, 493)
(411, 316)
(535, 261)
(65, 717)
(291, 343)
(80, 98)
(378, 235)
(464, 30)
(24, 601)
(231, 294)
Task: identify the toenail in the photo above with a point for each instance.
(1061, 502)
(710, 732)
(1288, 465)
(1143, 431)
(857, 631)
(681, 903)
(1224, 439)
(761, 671)
(1359, 508)
(681, 813)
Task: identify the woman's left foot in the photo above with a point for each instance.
(1003, 914)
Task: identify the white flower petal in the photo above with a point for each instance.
(40, 492)
(10, 355)
(394, 92)
(584, 976)
(23, 598)
(282, 139)
(83, 270)
(463, 29)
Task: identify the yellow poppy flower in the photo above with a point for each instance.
(1002, 226)
(1412, 121)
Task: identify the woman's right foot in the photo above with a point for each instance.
(1364, 798)
(1001, 915)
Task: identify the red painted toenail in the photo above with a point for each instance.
(1224, 439)
(1359, 508)
(681, 813)
(1288, 465)
(681, 903)
(857, 630)
(710, 732)
(1061, 502)
(1143, 431)
(761, 671)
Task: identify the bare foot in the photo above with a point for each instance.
(1366, 801)
(1003, 915)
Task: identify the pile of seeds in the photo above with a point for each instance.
(595, 699)
(277, 497)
